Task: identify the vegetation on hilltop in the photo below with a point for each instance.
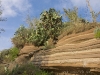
(50, 26)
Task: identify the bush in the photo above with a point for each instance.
(9, 55)
(51, 23)
(4, 55)
(49, 27)
(20, 36)
(23, 36)
(97, 33)
(27, 69)
(13, 53)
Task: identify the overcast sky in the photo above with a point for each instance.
(16, 12)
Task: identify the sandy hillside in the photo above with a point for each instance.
(75, 50)
(72, 53)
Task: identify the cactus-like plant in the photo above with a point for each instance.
(51, 23)
(49, 27)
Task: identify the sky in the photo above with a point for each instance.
(16, 12)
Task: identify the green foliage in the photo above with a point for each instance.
(19, 38)
(49, 27)
(51, 23)
(97, 33)
(40, 37)
(23, 36)
(4, 55)
(9, 55)
(27, 69)
(13, 53)
(39, 31)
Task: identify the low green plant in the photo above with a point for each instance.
(4, 55)
(27, 69)
(13, 53)
(9, 55)
(97, 33)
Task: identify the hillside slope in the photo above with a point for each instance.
(74, 51)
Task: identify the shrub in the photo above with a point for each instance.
(9, 55)
(4, 55)
(51, 23)
(27, 69)
(49, 27)
(19, 39)
(23, 36)
(13, 53)
(97, 33)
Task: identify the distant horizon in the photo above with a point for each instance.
(16, 12)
